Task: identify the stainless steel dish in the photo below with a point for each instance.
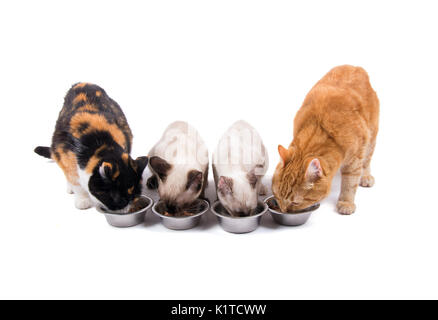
(123, 220)
(238, 224)
(180, 223)
(290, 219)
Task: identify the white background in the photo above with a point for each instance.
(211, 63)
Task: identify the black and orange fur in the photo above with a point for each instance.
(92, 134)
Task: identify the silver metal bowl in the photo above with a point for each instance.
(290, 219)
(123, 220)
(180, 223)
(238, 224)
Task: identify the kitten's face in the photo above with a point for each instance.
(238, 195)
(299, 183)
(117, 181)
(177, 187)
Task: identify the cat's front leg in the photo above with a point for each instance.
(263, 190)
(82, 198)
(350, 181)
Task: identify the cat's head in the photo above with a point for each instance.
(298, 182)
(238, 194)
(116, 180)
(178, 186)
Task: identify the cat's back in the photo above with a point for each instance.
(181, 143)
(241, 145)
(343, 90)
(346, 77)
(88, 111)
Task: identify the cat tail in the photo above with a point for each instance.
(44, 152)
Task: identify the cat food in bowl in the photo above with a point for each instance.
(295, 218)
(238, 224)
(181, 219)
(133, 217)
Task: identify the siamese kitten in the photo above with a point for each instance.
(239, 163)
(179, 163)
(91, 144)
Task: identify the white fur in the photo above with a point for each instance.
(84, 198)
(239, 151)
(182, 147)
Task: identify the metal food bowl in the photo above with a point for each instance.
(238, 224)
(290, 219)
(180, 223)
(130, 219)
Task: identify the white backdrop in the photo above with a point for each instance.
(211, 63)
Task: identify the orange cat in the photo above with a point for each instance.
(336, 127)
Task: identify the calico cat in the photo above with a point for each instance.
(239, 163)
(336, 127)
(91, 143)
(179, 163)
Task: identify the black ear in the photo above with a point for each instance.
(194, 180)
(160, 167)
(106, 170)
(225, 186)
(141, 162)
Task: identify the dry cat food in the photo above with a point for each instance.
(273, 205)
(179, 212)
(138, 204)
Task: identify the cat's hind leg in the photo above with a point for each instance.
(69, 188)
(367, 180)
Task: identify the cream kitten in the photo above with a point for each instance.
(179, 162)
(239, 163)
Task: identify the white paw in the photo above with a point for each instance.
(367, 181)
(83, 202)
(263, 191)
(344, 207)
(69, 189)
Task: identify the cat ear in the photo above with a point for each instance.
(314, 170)
(284, 154)
(141, 163)
(194, 180)
(160, 166)
(105, 170)
(252, 178)
(225, 186)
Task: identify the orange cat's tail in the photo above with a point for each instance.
(43, 152)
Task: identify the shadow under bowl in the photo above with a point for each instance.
(130, 219)
(297, 218)
(184, 222)
(238, 224)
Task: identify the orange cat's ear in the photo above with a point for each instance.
(284, 154)
(314, 170)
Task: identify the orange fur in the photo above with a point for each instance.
(337, 126)
(94, 160)
(96, 122)
(79, 98)
(80, 85)
(66, 160)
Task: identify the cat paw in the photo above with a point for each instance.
(367, 181)
(82, 202)
(152, 183)
(346, 208)
(69, 189)
(263, 191)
